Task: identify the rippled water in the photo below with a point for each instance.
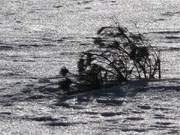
(37, 37)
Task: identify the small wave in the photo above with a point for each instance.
(111, 114)
(52, 40)
(6, 48)
(172, 37)
(36, 97)
(164, 32)
(160, 19)
(91, 113)
(34, 45)
(5, 113)
(157, 126)
(57, 6)
(67, 105)
(84, 2)
(87, 8)
(162, 108)
(170, 14)
(64, 124)
(134, 129)
(112, 102)
(10, 74)
(134, 118)
(43, 118)
(144, 107)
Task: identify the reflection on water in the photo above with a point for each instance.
(134, 108)
(39, 37)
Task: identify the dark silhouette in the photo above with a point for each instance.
(119, 56)
(64, 71)
(93, 76)
(65, 82)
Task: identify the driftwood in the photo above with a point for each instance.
(119, 55)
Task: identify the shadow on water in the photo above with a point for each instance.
(46, 90)
(108, 96)
(113, 96)
(116, 96)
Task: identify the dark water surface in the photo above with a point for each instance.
(37, 37)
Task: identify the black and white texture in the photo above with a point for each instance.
(38, 37)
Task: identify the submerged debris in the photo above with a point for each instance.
(65, 82)
(119, 55)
